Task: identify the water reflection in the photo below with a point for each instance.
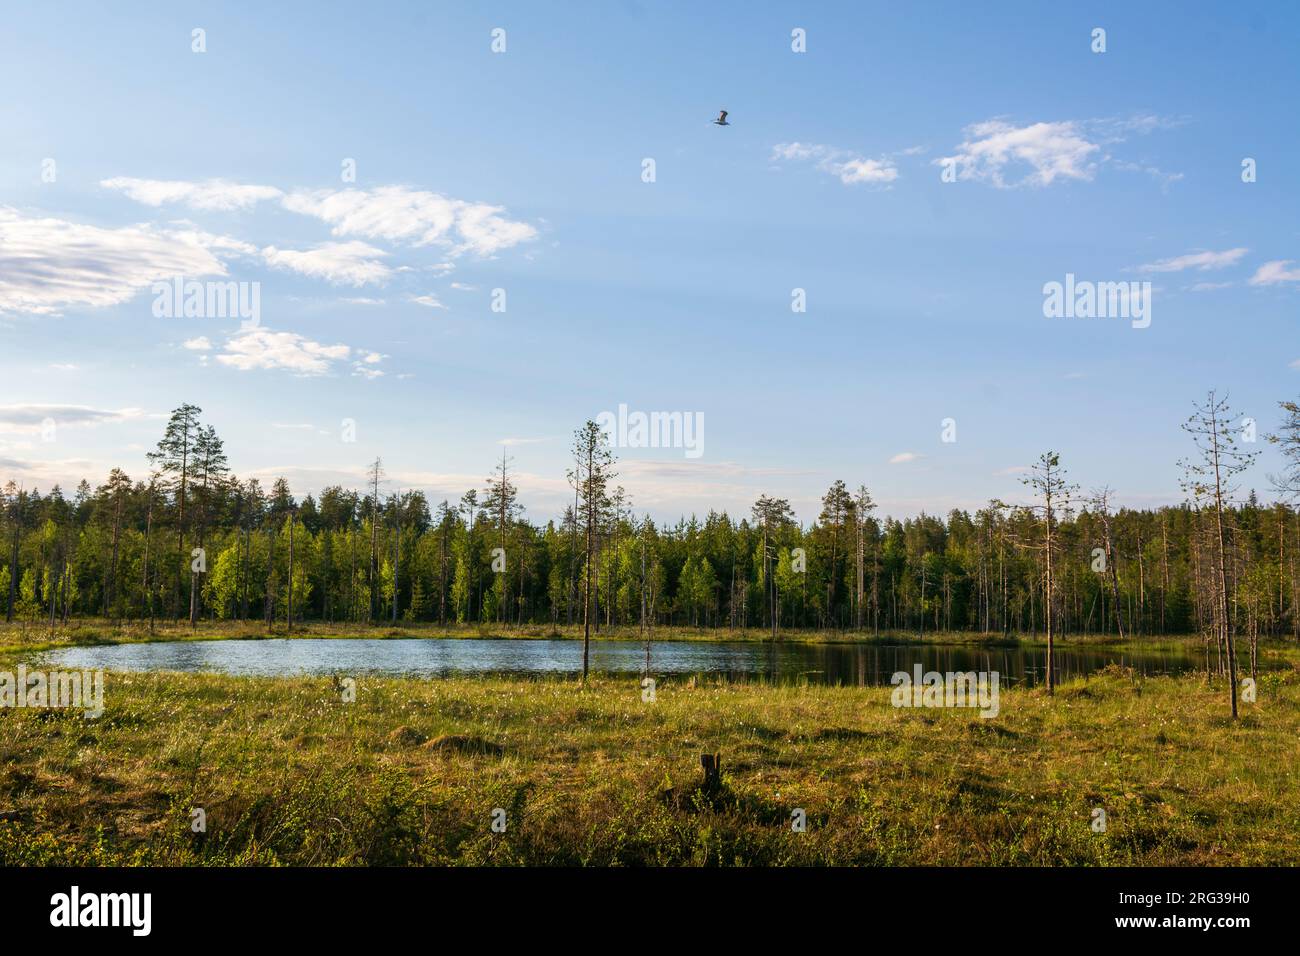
(844, 664)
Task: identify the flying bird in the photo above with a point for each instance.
(722, 119)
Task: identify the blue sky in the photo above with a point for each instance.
(522, 171)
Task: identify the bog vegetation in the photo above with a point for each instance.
(414, 772)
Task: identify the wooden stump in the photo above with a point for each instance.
(712, 766)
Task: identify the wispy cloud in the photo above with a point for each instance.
(848, 167)
(341, 263)
(1051, 151)
(212, 194)
(999, 152)
(417, 217)
(29, 419)
(1203, 260)
(262, 348)
(49, 264)
(903, 457)
(1277, 271)
(366, 365)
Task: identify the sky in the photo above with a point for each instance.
(470, 227)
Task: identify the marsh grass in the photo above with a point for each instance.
(411, 772)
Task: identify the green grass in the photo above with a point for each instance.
(290, 774)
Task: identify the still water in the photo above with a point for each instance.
(851, 664)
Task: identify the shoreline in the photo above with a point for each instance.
(106, 634)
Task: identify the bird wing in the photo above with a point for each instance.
(723, 116)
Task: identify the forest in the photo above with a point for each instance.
(191, 541)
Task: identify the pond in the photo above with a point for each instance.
(847, 664)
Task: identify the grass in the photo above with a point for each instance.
(412, 771)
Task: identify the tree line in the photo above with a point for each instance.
(191, 541)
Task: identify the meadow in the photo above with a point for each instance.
(416, 772)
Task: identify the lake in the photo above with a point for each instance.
(847, 664)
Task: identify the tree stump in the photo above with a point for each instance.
(712, 766)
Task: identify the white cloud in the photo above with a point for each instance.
(1051, 150)
(211, 241)
(352, 263)
(66, 472)
(904, 457)
(1271, 273)
(29, 419)
(399, 214)
(48, 264)
(365, 365)
(849, 167)
(1209, 286)
(431, 301)
(213, 194)
(1203, 261)
(198, 344)
(865, 171)
(261, 348)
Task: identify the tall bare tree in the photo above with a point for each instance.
(590, 477)
(1047, 480)
(1287, 483)
(1100, 503)
(1207, 479)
